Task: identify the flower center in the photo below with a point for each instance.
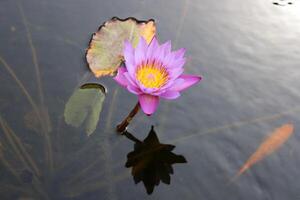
(151, 75)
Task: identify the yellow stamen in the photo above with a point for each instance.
(151, 75)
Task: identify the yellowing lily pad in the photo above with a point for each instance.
(105, 52)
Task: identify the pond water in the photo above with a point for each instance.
(246, 51)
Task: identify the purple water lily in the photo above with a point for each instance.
(154, 71)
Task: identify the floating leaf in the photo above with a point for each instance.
(85, 105)
(93, 86)
(105, 52)
(271, 144)
(151, 161)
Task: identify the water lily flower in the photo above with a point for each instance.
(152, 71)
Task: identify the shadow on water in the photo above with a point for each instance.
(151, 161)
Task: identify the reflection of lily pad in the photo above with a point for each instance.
(85, 105)
(105, 52)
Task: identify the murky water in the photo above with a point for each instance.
(247, 52)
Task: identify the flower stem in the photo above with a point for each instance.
(122, 126)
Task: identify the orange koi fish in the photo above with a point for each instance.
(270, 144)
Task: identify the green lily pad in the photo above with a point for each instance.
(105, 52)
(84, 107)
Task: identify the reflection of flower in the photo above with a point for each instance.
(153, 71)
(152, 161)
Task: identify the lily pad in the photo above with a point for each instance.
(84, 107)
(105, 51)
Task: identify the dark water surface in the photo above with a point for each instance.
(247, 52)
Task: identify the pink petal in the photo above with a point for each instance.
(175, 59)
(168, 59)
(188, 81)
(179, 53)
(140, 51)
(134, 89)
(176, 63)
(170, 95)
(129, 56)
(120, 78)
(130, 79)
(152, 48)
(158, 54)
(170, 85)
(175, 73)
(148, 103)
(148, 90)
(166, 47)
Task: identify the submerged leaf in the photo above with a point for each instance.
(32, 121)
(151, 161)
(26, 176)
(105, 52)
(85, 105)
(271, 144)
